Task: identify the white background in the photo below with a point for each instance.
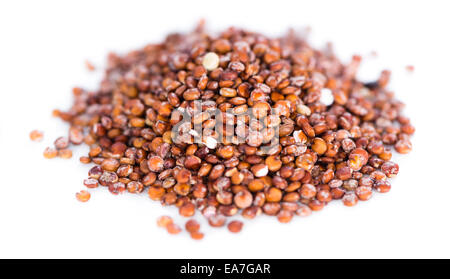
(43, 46)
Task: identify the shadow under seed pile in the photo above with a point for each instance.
(335, 133)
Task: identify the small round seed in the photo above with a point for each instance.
(217, 220)
(155, 164)
(273, 194)
(156, 192)
(243, 199)
(197, 235)
(364, 193)
(303, 211)
(90, 183)
(210, 61)
(403, 146)
(285, 216)
(192, 226)
(110, 164)
(61, 143)
(135, 187)
(390, 169)
(65, 153)
(319, 146)
(383, 186)
(83, 196)
(350, 199)
(36, 135)
(164, 221)
(85, 160)
(316, 205)
(172, 228)
(187, 210)
(50, 153)
(76, 135)
(95, 172)
(235, 226)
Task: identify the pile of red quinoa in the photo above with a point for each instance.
(334, 136)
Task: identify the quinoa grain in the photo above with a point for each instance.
(83, 196)
(235, 226)
(316, 133)
(36, 135)
(50, 153)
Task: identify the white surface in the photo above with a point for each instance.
(43, 46)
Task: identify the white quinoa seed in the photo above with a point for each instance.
(262, 172)
(211, 61)
(211, 142)
(304, 110)
(326, 97)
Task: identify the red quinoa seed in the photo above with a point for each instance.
(36, 135)
(164, 221)
(83, 196)
(235, 226)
